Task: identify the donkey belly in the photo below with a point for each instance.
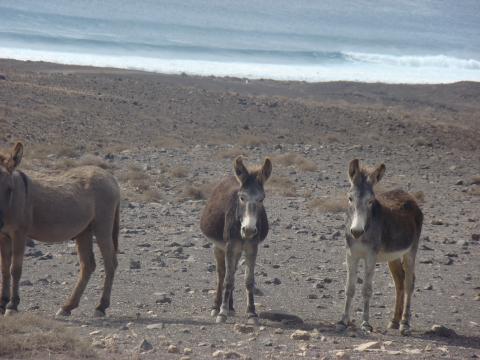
(393, 255)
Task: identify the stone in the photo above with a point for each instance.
(300, 335)
(135, 264)
(368, 346)
(342, 355)
(156, 326)
(442, 331)
(437, 222)
(226, 354)
(172, 349)
(187, 351)
(145, 345)
(243, 329)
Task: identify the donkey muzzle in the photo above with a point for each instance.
(357, 232)
(248, 232)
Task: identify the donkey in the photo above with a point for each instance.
(380, 228)
(77, 205)
(235, 220)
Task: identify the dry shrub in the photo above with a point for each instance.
(167, 142)
(39, 151)
(282, 185)
(334, 204)
(179, 172)
(230, 153)
(291, 159)
(251, 140)
(152, 195)
(197, 192)
(89, 159)
(475, 191)
(331, 138)
(29, 336)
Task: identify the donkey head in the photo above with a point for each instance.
(361, 198)
(250, 195)
(9, 160)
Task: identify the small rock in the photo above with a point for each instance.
(26, 283)
(475, 237)
(267, 342)
(96, 332)
(227, 354)
(459, 182)
(47, 256)
(164, 300)
(145, 345)
(135, 264)
(368, 346)
(437, 222)
(243, 329)
(187, 351)
(172, 349)
(300, 335)
(156, 326)
(428, 287)
(441, 330)
(312, 296)
(342, 355)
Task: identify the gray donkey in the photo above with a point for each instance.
(235, 220)
(380, 228)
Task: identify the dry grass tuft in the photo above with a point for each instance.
(282, 185)
(152, 195)
(40, 151)
(197, 192)
(29, 336)
(230, 153)
(475, 191)
(89, 159)
(251, 140)
(335, 204)
(179, 172)
(299, 161)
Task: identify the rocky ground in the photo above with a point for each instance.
(169, 138)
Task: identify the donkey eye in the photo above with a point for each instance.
(370, 202)
(242, 198)
(350, 199)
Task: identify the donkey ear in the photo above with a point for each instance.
(353, 169)
(377, 174)
(15, 157)
(241, 172)
(265, 171)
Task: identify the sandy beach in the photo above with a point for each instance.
(169, 138)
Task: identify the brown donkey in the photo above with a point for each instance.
(235, 220)
(80, 204)
(380, 228)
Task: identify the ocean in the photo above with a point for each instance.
(399, 41)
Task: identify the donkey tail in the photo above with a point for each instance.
(116, 228)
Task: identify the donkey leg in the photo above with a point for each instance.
(18, 250)
(6, 253)
(352, 265)
(87, 267)
(251, 250)
(398, 276)
(233, 251)
(370, 262)
(220, 261)
(409, 268)
(105, 243)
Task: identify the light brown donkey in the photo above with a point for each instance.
(235, 220)
(381, 227)
(82, 203)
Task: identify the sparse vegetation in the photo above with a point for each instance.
(179, 172)
(230, 153)
(292, 159)
(196, 192)
(419, 196)
(333, 204)
(251, 140)
(475, 180)
(282, 185)
(29, 336)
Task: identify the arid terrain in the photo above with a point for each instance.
(168, 139)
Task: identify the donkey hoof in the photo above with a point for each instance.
(63, 312)
(253, 320)
(98, 313)
(10, 312)
(340, 326)
(405, 330)
(214, 312)
(366, 327)
(221, 319)
(393, 325)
